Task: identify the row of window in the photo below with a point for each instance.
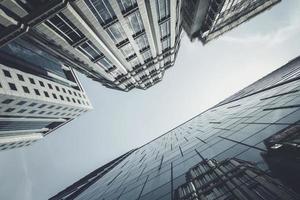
(26, 90)
(42, 84)
(21, 111)
(40, 106)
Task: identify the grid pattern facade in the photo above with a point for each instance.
(230, 179)
(209, 19)
(121, 43)
(237, 130)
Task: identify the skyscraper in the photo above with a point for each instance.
(120, 43)
(229, 143)
(38, 93)
(208, 19)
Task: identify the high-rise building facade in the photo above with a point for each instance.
(229, 151)
(38, 93)
(121, 43)
(208, 19)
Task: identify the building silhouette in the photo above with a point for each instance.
(237, 130)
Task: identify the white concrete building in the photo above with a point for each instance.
(37, 94)
(121, 43)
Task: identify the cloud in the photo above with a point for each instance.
(281, 34)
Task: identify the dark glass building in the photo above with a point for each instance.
(237, 143)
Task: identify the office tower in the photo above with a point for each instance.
(208, 19)
(237, 129)
(38, 93)
(122, 44)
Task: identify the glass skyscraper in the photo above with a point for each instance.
(245, 147)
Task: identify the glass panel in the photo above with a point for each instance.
(65, 28)
(90, 50)
(127, 50)
(135, 22)
(102, 10)
(116, 33)
(30, 54)
(164, 29)
(105, 63)
(142, 42)
(163, 8)
(125, 4)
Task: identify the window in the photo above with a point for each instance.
(49, 113)
(142, 42)
(33, 111)
(21, 103)
(61, 97)
(9, 110)
(105, 63)
(57, 88)
(32, 81)
(32, 104)
(125, 5)
(65, 28)
(50, 86)
(75, 94)
(59, 107)
(12, 86)
(116, 33)
(54, 96)
(147, 55)
(22, 111)
(166, 44)
(42, 84)
(50, 107)
(6, 73)
(7, 101)
(20, 77)
(68, 99)
(135, 22)
(163, 8)
(164, 29)
(41, 112)
(46, 94)
(127, 50)
(90, 50)
(102, 10)
(63, 89)
(42, 106)
(70, 92)
(25, 89)
(37, 92)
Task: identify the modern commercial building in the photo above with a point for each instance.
(236, 136)
(38, 93)
(122, 44)
(208, 19)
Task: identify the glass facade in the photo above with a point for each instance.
(33, 56)
(244, 130)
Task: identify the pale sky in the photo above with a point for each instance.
(201, 77)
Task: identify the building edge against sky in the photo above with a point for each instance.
(38, 94)
(121, 44)
(208, 19)
(255, 132)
